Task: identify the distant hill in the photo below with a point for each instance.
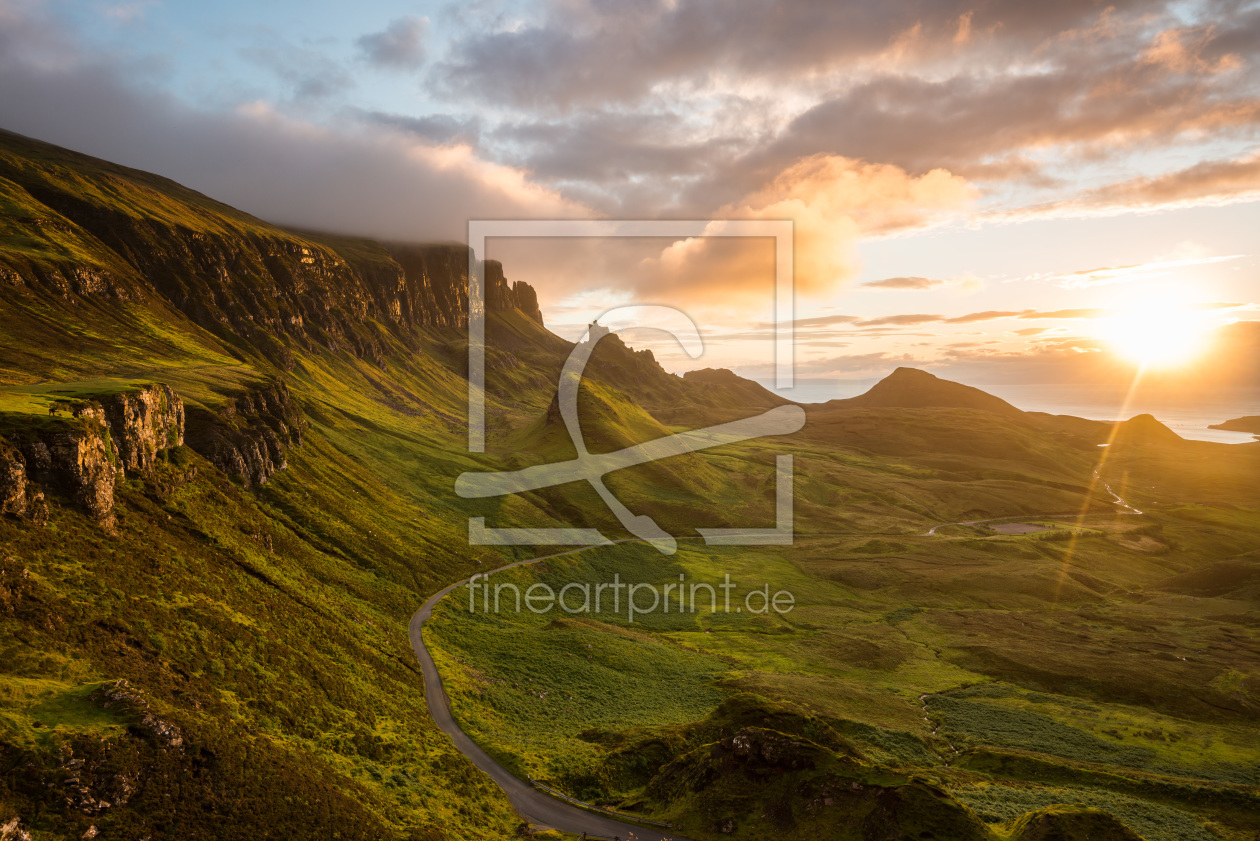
(694, 399)
(1139, 429)
(1251, 424)
(1145, 429)
(910, 388)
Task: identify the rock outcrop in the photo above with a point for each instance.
(250, 438)
(74, 457)
(19, 496)
(143, 423)
(12, 830)
(84, 455)
(502, 296)
(81, 460)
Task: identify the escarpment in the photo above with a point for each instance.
(251, 436)
(88, 444)
(142, 424)
(119, 234)
(83, 454)
(74, 457)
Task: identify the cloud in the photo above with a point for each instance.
(400, 46)
(821, 321)
(352, 177)
(583, 53)
(989, 315)
(310, 74)
(908, 319)
(129, 12)
(1209, 182)
(435, 128)
(832, 202)
(905, 283)
(692, 105)
(1181, 50)
(1088, 312)
(1127, 274)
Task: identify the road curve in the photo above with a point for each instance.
(532, 804)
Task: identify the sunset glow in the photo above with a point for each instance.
(1159, 333)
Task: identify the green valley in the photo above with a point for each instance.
(227, 460)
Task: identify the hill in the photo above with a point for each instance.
(910, 388)
(1248, 424)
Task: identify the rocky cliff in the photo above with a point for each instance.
(83, 454)
(143, 423)
(95, 230)
(74, 457)
(250, 438)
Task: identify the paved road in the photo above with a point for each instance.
(532, 804)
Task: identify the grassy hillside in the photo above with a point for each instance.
(225, 656)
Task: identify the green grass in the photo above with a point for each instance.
(269, 624)
(998, 804)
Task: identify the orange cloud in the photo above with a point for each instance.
(1180, 51)
(834, 201)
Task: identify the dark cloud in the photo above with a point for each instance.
(965, 122)
(400, 46)
(436, 128)
(628, 162)
(584, 54)
(985, 92)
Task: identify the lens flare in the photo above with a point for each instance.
(1159, 333)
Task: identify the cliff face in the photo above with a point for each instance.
(143, 423)
(84, 455)
(249, 439)
(75, 457)
(19, 495)
(114, 233)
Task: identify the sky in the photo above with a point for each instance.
(998, 191)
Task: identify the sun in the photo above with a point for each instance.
(1160, 333)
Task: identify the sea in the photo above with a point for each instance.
(1188, 414)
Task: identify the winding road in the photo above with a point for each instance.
(533, 805)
